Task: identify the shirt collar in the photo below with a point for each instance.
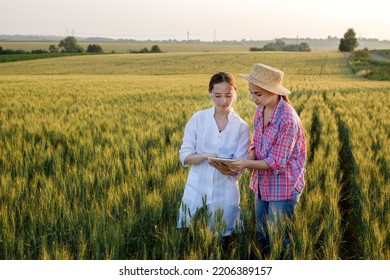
(279, 108)
(230, 115)
(276, 112)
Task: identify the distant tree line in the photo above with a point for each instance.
(70, 45)
(9, 51)
(347, 44)
(67, 45)
(154, 49)
(280, 45)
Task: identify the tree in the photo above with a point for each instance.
(144, 50)
(53, 49)
(349, 42)
(155, 49)
(291, 48)
(69, 45)
(270, 47)
(94, 48)
(255, 49)
(280, 44)
(304, 47)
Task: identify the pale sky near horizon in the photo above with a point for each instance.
(197, 19)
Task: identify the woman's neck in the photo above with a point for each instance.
(221, 114)
(272, 104)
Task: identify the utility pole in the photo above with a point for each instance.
(188, 36)
(215, 36)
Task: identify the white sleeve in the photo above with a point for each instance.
(188, 146)
(243, 142)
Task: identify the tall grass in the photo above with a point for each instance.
(367, 132)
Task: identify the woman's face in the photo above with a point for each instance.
(260, 96)
(223, 95)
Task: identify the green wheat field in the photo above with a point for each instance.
(89, 165)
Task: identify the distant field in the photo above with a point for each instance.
(124, 47)
(180, 63)
(89, 165)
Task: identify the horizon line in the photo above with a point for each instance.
(185, 40)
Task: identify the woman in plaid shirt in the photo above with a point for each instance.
(277, 153)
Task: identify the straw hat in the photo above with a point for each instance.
(268, 78)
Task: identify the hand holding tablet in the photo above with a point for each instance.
(220, 159)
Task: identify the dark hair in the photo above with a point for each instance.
(221, 77)
(285, 98)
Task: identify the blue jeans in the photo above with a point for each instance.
(269, 213)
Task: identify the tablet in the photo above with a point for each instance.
(221, 159)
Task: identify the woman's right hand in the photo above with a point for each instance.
(198, 158)
(213, 163)
(210, 155)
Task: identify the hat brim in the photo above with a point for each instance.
(277, 89)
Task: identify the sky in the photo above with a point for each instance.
(205, 20)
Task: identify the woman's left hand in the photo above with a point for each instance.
(237, 165)
(221, 167)
(218, 165)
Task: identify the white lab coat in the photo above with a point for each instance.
(220, 191)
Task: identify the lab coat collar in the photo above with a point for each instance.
(231, 114)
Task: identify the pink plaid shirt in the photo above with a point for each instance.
(282, 145)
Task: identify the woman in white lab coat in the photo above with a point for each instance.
(214, 132)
